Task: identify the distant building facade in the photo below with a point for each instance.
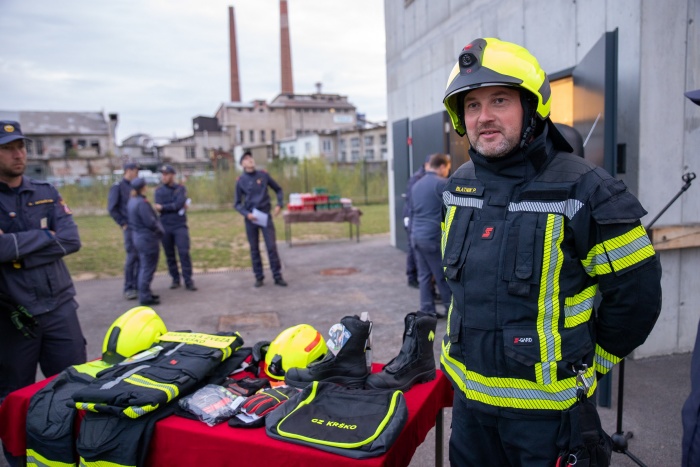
(67, 144)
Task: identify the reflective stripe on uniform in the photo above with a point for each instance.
(604, 361)
(568, 207)
(578, 309)
(171, 390)
(618, 253)
(34, 459)
(548, 307)
(84, 463)
(513, 392)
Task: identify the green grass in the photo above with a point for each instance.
(218, 240)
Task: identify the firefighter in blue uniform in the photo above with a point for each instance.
(171, 202)
(38, 319)
(252, 193)
(531, 234)
(147, 232)
(117, 200)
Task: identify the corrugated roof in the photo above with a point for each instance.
(58, 123)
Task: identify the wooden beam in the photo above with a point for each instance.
(674, 237)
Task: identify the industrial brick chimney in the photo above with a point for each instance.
(287, 82)
(235, 81)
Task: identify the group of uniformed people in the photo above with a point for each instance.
(144, 230)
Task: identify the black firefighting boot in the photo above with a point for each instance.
(416, 360)
(347, 368)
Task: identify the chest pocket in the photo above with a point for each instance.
(458, 242)
(523, 255)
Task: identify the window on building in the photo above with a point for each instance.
(342, 144)
(95, 145)
(369, 140)
(307, 148)
(327, 145)
(355, 155)
(251, 135)
(262, 136)
(273, 135)
(343, 156)
(240, 136)
(384, 153)
(39, 147)
(382, 140)
(369, 154)
(291, 150)
(355, 142)
(190, 152)
(82, 144)
(205, 153)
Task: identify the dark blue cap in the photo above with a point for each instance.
(10, 131)
(694, 96)
(130, 165)
(138, 183)
(167, 169)
(245, 154)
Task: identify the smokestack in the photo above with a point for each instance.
(287, 82)
(235, 82)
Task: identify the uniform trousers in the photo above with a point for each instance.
(178, 238)
(131, 264)
(429, 262)
(149, 252)
(479, 439)
(253, 232)
(59, 343)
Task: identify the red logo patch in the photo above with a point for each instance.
(487, 234)
(173, 362)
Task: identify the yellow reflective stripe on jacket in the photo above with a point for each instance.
(34, 459)
(513, 392)
(92, 368)
(548, 302)
(171, 390)
(84, 463)
(618, 253)
(604, 361)
(447, 223)
(137, 411)
(578, 309)
(89, 406)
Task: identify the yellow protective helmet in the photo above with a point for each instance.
(134, 331)
(492, 62)
(294, 347)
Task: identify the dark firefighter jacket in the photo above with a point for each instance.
(32, 271)
(252, 192)
(172, 198)
(112, 437)
(528, 242)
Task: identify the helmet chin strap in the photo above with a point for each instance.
(529, 103)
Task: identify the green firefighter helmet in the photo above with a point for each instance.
(492, 62)
(134, 331)
(294, 347)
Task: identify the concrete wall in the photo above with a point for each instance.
(658, 50)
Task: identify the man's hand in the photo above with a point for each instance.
(125, 226)
(158, 207)
(251, 217)
(277, 209)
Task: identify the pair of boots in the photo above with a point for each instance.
(414, 364)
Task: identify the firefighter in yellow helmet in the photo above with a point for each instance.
(531, 234)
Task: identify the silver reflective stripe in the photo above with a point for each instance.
(466, 201)
(567, 208)
(14, 237)
(111, 384)
(628, 249)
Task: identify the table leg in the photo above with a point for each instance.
(438, 439)
(288, 233)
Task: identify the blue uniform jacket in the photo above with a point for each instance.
(418, 174)
(144, 223)
(32, 270)
(117, 200)
(425, 210)
(251, 192)
(172, 198)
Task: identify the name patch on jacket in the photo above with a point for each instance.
(41, 201)
(465, 187)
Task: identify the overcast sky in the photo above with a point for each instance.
(159, 63)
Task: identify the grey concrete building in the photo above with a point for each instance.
(618, 70)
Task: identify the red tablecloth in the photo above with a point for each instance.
(179, 441)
